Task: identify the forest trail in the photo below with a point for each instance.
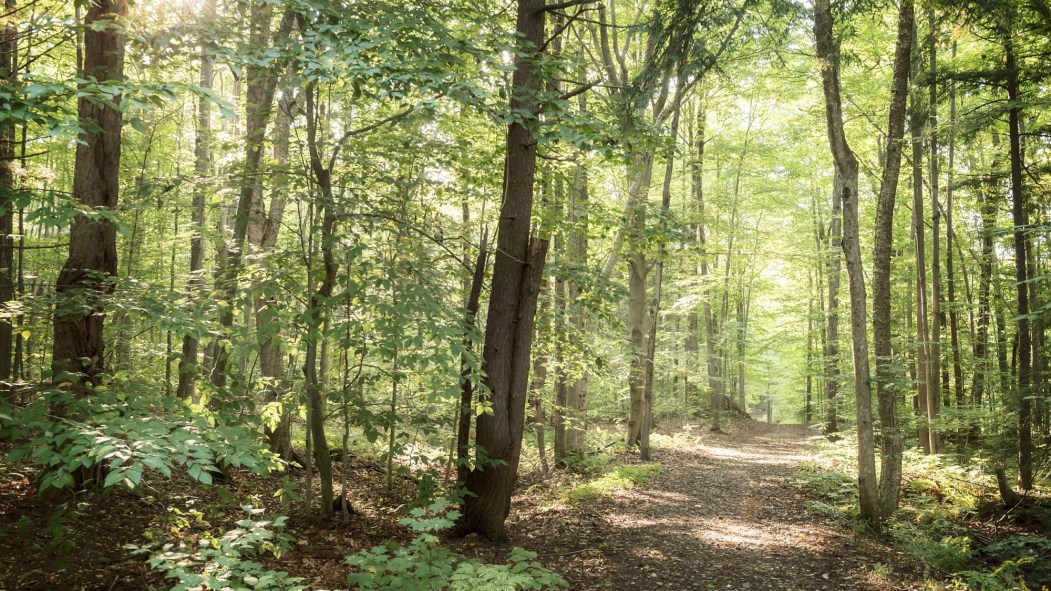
(723, 514)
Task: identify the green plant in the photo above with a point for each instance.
(220, 563)
(618, 479)
(119, 433)
(425, 565)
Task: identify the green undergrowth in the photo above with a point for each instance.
(619, 478)
(939, 522)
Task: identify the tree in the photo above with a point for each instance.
(847, 182)
(87, 274)
(517, 272)
(886, 380)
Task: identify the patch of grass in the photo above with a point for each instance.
(620, 478)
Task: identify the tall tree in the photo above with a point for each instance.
(86, 276)
(8, 77)
(847, 180)
(517, 273)
(886, 382)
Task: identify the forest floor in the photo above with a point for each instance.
(721, 514)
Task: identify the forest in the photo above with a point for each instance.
(529, 294)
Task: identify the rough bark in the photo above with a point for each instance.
(517, 273)
(8, 78)
(847, 167)
(1020, 216)
(86, 276)
(886, 383)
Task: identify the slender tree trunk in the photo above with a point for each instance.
(317, 311)
(886, 382)
(923, 356)
(934, 383)
(261, 84)
(1020, 216)
(638, 269)
(950, 271)
(263, 232)
(463, 430)
(8, 78)
(847, 167)
(517, 273)
(697, 179)
(83, 281)
(833, 252)
(655, 304)
(577, 394)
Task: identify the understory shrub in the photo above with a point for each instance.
(222, 563)
(425, 565)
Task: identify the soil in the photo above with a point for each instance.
(721, 515)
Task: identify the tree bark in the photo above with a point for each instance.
(86, 276)
(261, 82)
(516, 280)
(923, 357)
(847, 167)
(934, 382)
(8, 78)
(886, 384)
(1020, 216)
(188, 368)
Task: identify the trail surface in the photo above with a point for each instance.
(722, 515)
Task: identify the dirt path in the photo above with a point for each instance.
(722, 515)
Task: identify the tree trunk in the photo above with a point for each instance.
(85, 277)
(263, 230)
(847, 167)
(317, 311)
(1020, 216)
(923, 357)
(950, 271)
(188, 368)
(577, 393)
(934, 382)
(8, 78)
(655, 304)
(516, 280)
(697, 179)
(261, 83)
(641, 173)
(886, 384)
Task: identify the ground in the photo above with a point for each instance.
(722, 514)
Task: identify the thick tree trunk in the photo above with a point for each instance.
(85, 277)
(516, 280)
(886, 383)
(847, 167)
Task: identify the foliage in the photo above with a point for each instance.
(425, 565)
(220, 563)
(620, 478)
(119, 433)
